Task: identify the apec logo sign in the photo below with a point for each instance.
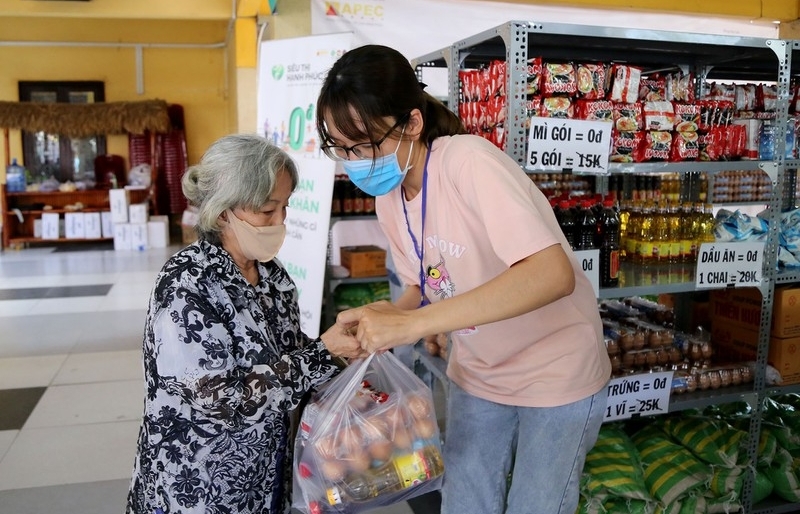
(357, 11)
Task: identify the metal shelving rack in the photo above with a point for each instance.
(708, 57)
(331, 283)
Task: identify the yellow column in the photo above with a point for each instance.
(243, 71)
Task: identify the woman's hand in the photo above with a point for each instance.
(379, 325)
(341, 342)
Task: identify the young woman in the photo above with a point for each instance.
(481, 255)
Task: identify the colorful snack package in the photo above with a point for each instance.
(656, 146)
(594, 110)
(625, 146)
(559, 79)
(628, 117)
(557, 107)
(534, 76)
(687, 117)
(625, 87)
(659, 116)
(653, 89)
(680, 87)
(591, 81)
(685, 147)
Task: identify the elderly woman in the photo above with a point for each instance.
(225, 360)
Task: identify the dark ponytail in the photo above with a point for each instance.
(439, 121)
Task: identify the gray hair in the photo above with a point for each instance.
(237, 170)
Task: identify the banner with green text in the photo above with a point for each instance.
(290, 75)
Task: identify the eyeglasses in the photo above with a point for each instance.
(360, 150)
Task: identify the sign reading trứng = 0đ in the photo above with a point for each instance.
(556, 144)
(638, 395)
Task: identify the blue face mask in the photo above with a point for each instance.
(380, 175)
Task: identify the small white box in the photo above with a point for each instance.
(37, 228)
(74, 227)
(106, 225)
(138, 236)
(50, 225)
(122, 236)
(91, 225)
(158, 231)
(138, 213)
(119, 200)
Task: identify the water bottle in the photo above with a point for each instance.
(15, 178)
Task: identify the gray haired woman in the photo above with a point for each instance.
(225, 360)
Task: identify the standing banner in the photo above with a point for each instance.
(290, 75)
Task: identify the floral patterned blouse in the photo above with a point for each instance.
(225, 362)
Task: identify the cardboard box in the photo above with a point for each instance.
(122, 236)
(138, 213)
(75, 227)
(120, 201)
(50, 225)
(786, 312)
(364, 261)
(158, 231)
(91, 225)
(741, 307)
(106, 225)
(139, 236)
(739, 344)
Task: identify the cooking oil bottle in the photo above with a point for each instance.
(687, 233)
(707, 224)
(632, 236)
(674, 218)
(624, 217)
(645, 245)
(661, 244)
(697, 229)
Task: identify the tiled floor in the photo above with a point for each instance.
(71, 380)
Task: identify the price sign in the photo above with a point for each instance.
(590, 262)
(568, 145)
(637, 395)
(729, 265)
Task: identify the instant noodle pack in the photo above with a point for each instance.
(655, 116)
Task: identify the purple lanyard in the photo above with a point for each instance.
(418, 248)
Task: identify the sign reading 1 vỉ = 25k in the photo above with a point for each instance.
(644, 394)
(556, 144)
(721, 265)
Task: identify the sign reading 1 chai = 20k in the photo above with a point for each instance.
(556, 144)
(721, 265)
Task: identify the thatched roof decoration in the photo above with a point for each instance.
(85, 120)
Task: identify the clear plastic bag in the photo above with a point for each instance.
(369, 439)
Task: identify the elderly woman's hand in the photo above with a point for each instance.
(341, 342)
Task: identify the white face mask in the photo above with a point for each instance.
(257, 243)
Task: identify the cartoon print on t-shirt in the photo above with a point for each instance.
(438, 279)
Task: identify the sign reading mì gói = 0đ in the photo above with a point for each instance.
(556, 144)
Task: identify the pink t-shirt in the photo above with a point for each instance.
(484, 214)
